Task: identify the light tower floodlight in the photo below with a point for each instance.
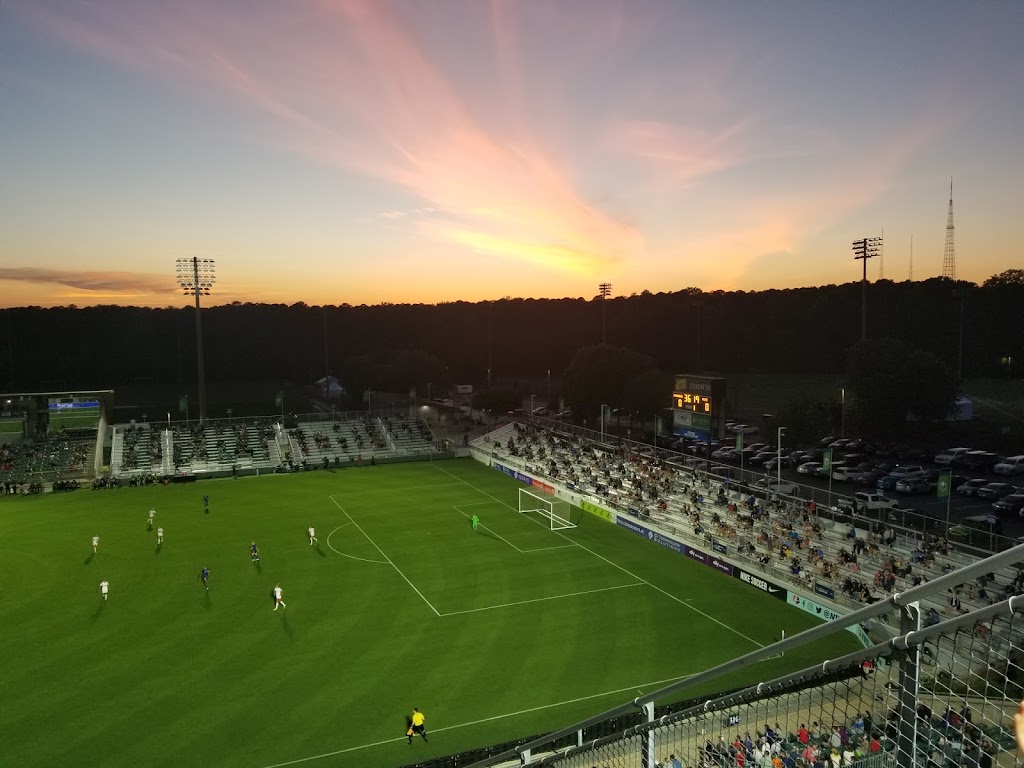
(864, 249)
(196, 277)
(605, 290)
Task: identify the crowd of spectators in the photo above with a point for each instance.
(56, 454)
(862, 564)
(139, 441)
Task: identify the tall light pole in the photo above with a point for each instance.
(603, 406)
(864, 249)
(196, 277)
(842, 411)
(531, 406)
(549, 392)
(606, 291)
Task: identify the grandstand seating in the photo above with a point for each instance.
(786, 541)
(220, 445)
(362, 435)
(68, 454)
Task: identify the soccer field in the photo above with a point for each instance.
(495, 634)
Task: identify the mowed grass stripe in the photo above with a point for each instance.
(159, 677)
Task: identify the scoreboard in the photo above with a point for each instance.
(698, 407)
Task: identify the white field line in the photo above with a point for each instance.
(616, 565)
(542, 599)
(384, 555)
(557, 546)
(483, 720)
(393, 490)
(343, 554)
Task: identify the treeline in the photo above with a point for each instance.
(798, 330)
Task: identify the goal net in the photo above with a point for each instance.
(555, 511)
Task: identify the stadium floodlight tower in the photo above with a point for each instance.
(196, 277)
(605, 291)
(864, 249)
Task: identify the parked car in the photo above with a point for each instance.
(951, 456)
(863, 502)
(833, 467)
(758, 447)
(995, 491)
(1011, 465)
(887, 483)
(772, 485)
(980, 461)
(772, 465)
(906, 470)
(843, 473)
(1009, 505)
(762, 457)
(977, 530)
(838, 445)
(915, 484)
(826, 441)
(809, 468)
(797, 458)
(870, 477)
(743, 429)
(970, 487)
(725, 454)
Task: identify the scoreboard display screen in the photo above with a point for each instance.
(698, 407)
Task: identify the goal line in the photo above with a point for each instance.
(559, 514)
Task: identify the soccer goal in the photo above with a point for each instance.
(557, 512)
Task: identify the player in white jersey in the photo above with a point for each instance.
(159, 535)
(104, 588)
(95, 543)
(312, 537)
(278, 597)
(152, 514)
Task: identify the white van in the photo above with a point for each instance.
(1011, 465)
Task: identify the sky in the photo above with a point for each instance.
(369, 151)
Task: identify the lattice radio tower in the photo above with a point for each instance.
(949, 254)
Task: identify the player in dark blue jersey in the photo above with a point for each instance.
(205, 576)
(254, 553)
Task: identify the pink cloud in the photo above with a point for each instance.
(349, 85)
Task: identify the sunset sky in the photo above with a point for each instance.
(363, 151)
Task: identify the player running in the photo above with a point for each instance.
(159, 536)
(312, 537)
(205, 576)
(206, 503)
(254, 553)
(152, 514)
(95, 543)
(104, 588)
(278, 597)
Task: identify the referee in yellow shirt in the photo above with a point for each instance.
(416, 725)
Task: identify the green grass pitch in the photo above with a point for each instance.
(493, 635)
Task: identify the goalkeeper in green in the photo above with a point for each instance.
(476, 523)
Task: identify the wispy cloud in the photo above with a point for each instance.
(98, 284)
(352, 86)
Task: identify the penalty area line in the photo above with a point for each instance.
(542, 599)
(483, 720)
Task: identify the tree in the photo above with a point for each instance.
(1007, 278)
(597, 375)
(888, 381)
